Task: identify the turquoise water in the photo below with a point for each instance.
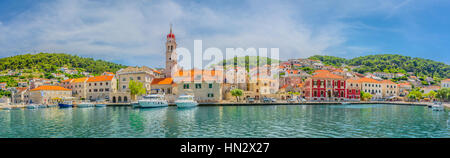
(283, 121)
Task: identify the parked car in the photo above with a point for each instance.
(266, 100)
(251, 100)
(273, 100)
(290, 100)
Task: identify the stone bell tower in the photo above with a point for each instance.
(171, 54)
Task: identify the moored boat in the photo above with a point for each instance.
(31, 106)
(345, 103)
(186, 101)
(153, 101)
(100, 105)
(42, 106)
(66, 104)
(52, 105)
(85, 105)
(437, 106)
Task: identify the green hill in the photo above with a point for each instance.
(51, 62)
(390, 63)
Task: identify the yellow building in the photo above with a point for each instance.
(48, 94)
(389, 89)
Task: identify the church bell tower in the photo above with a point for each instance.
(171, 54)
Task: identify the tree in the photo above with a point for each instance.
(443, 94)
(236, 93)
(431, 95)
(366, 96)
(415, 95)
(136, 88)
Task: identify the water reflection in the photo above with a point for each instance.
(228, 121)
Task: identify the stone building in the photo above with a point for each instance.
(389, 89)
(372, 86)
(48, 94)
(144, 74)
(100, 87)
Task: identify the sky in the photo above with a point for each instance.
(133, 32)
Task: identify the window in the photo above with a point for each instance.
(95, 84)
(124, 87)
(90, 90)
(198, 85)
(210, 85)
(131, 78)
(211, 95)
(139, 78)
(101, 84)
(186, 86)
(106, 89)
(106, 83)
(124, 79)
(89, 84)
(95, 90)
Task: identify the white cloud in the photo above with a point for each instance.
(133, 32)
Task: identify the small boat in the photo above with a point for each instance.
(52, 105)
(345, 103)
(42, 106)
(153, 101)
(437, 106)
(66, 104)
(31, 106)
(135, 104)
(100, 105)
(186, 101)
(85, 105)
(6, 108)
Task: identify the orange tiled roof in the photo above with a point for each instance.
(2, 82)
(50, 88)
(100, 78)
(300, 85)
(20, 89)
(68, 80)
(404, 83)
(284, 86)
(327, 75)
(388, 82)
(78, 80)
(432, 87)
(446, 80)
(369, 80)
(321, 71)
(352, 81)
(159, 81)
(338, 70)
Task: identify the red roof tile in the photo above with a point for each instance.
(50, 88)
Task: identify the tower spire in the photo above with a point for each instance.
(170, 27)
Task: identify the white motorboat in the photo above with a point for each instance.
(85, 105)
(345, 103)
(185, 101)
(31, 106)
(437, 106)
(100, 105)
(153, 101)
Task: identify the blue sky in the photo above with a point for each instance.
(133, 32)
